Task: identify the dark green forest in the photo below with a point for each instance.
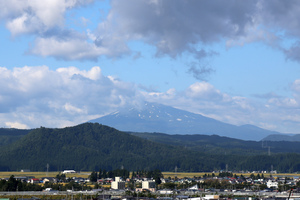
(91, 147)
(10, 135)
(214, 144)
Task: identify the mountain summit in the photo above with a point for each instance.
(153, 117)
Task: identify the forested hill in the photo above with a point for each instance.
(10, 135)
(282, 137)
(93, 146)
(89, 147)
(215, 144)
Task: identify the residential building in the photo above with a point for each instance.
(69, 171)
(148, 185)
(272, 184)
(118, 184)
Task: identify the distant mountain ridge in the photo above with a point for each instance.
(214, 144)
(155, 117)
(283, 137)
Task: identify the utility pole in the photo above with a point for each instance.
(47, 169)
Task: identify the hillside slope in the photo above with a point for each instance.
(10, 135)
(215, 144)
(93, 146)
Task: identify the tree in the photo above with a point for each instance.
(258, 176)
(133, 175)
(100, 173)
(262, 186)
(169, 185)
(157, 180)
(12, 183)
(61, 177)
(93, 177)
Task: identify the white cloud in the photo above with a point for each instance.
(36, 16)
(174, 27)
(16, 125)
(74, 110)
(36, 96)
(275, 112)
(204, 90)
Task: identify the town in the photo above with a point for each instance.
(125, 185)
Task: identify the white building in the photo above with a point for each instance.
(118, 184)
(272, 184)
(211, 197)
(166, 191)
(69, 171)
(195, 187)
(149, 185)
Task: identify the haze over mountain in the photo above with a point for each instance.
(153, 117)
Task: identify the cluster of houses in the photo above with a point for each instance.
(32, 179)
(271, 183)
(149, 184)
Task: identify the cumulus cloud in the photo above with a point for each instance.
(52, 37)
(173, 27)
(16, 125)
(35, 96)
(177, 27)
(32, 96)
(36, 16)
(38, 96)
(274, 112)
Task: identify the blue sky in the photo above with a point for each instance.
(64, 62)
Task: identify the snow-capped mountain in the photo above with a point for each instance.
(153, 117)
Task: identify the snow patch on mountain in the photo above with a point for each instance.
(153, 117)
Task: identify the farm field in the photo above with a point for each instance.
(166, 174)
(197, 174)
(42, 174)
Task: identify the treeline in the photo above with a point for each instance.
(102, 174)
(147, 174)
(17, 185)
(230, 174)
